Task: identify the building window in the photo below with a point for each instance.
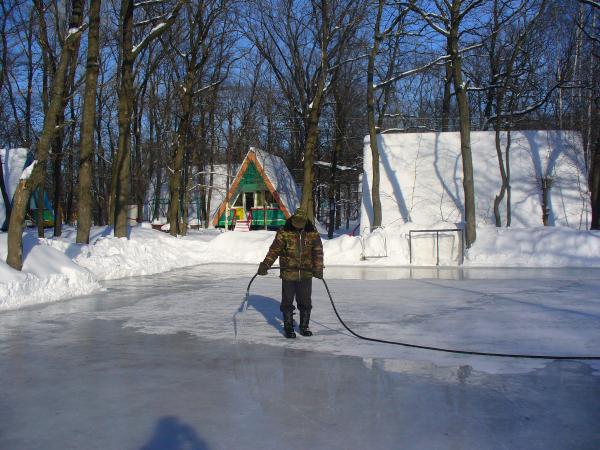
(239, 201)
(258, 199)
(269, 199)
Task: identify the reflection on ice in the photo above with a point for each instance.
(457, 273)
(84, 383)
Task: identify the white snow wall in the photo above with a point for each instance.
(13, 160)
(421, 178)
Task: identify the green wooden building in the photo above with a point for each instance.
(263, 194)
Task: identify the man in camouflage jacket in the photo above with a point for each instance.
(300, 251)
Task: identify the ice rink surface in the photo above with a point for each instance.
(169, 362)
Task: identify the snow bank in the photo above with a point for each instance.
(57, 268)
(237, 247)
(535, 247)
(494, 247)
(146, 252)
(48, 275)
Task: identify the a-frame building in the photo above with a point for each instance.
(263, 194)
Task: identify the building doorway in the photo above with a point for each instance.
(249, 201)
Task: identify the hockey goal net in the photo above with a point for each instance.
(441, 247)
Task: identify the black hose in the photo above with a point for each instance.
(439, 349)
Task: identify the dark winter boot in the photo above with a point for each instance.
(288, 325)
(304, 320)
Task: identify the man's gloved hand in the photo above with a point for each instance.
(318, 274)
(263, 269)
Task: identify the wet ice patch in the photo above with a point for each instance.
(519, 316)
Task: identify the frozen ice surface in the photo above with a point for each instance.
(154, 363)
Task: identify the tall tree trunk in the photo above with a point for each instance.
(58, 145)
(121, 173)
(211, 159)
(447, 97)
(375, 182)
(102, 185)
(175, 180)
(36, 177)
(185, 196)
(333, 187)
(312, 137)
(70, 178)
(460, 90)
(138, 181)
(314, 114)
(86, 155)
(339, 133)
(595, 184)
(121, 176)
(57, 176)
(30, 74)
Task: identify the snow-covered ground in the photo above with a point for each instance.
(58, 268)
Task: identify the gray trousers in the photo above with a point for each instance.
(301, 290)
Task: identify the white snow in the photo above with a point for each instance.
(28, 170)
(13, 161)
(421, 178)
(280, 177)
(152, 32)
(48, 275)
(328, 164)
(58, 268)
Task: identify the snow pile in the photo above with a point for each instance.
(146, 252)
(56, 268)
(421, 178)
(494, 247)
(535, 247)
(48, 275)
(237, 247)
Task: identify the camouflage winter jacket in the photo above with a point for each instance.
(300, 252)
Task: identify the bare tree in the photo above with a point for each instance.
(505, 41)
(304, 43)
(378, 37)
(84, 204)
(199, 45)
(448, 20)
(121, 173)
(593, 136)
(36, 173)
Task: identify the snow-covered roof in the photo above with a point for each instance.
(13, 162)
(277, 178)
(280, 177)
(421, 178)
